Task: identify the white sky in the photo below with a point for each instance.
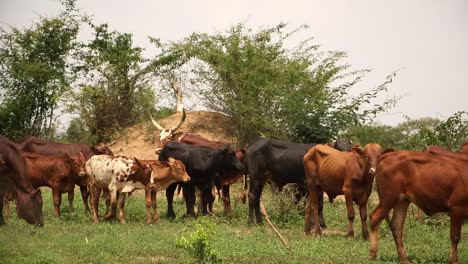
(426, 40)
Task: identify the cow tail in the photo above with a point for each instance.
(244, 191)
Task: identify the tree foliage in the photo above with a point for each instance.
(299, 93)
(35, 71)
(416, 134)
(115, 90)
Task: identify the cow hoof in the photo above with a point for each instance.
(109, 217)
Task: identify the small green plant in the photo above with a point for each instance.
(198, 243)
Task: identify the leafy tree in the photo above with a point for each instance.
(450, 133)
(116, 91)
(299, 93)
(35, 71)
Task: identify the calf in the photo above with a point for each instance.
(164, 174)
(334, 172)
(57, 172)
(117, 175)
(432, 182)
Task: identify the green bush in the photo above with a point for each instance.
(198, 243)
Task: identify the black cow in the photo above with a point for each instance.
(203, 164)
(279, 161)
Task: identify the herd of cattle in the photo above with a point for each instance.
(436, 179)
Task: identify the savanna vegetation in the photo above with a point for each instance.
(269, 83)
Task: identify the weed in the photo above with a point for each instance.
(198, 243)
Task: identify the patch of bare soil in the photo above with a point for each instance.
(141, 140)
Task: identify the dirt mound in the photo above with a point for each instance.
(140, 140)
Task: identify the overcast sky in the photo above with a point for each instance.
(425, 40)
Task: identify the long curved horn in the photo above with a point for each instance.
(181, 121)
(154, 122)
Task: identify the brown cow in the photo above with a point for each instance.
(335, 172)
(13, 176)
(47, 147)
(432, 182)
(57, 172)
(164, 174)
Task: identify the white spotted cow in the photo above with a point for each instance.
(118, 175)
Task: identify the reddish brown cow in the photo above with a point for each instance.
(57, 172)
(13, 176)
(432, 182)
(47, 147)
(335, 172)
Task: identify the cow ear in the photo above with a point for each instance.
(388, 150)
(359, 151)
(35, 192)
(138, 162)
(171, 160)
(94, 150)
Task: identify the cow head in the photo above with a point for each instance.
(178, 170)
(78, 164)
(343, 144)
(464, 148)
(166, 134)
(373, 152)
(101, 149)
(142, 172)
(230, 160)
(29, 206)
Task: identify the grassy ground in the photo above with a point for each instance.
(75, 239)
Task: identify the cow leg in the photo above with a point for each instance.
(112, 212)
(320, 209)
(227, 201)
(106, 195)
(456, 220)
(254, 201)
(95, 193)
(57, 197)
(170, 198)
(312, 208)
(85, 196)
(189, 196)
(6, 204)
(121, 198)
(363, 215)
(350, 208)
(71, 196)
(376, 217)
(207, 201)
(148, 204)
(154, 204)
(396, 225)
(4, 200)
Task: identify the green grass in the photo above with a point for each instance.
(75, 239)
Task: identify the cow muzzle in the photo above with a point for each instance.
(372, 170)
(158, 151)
